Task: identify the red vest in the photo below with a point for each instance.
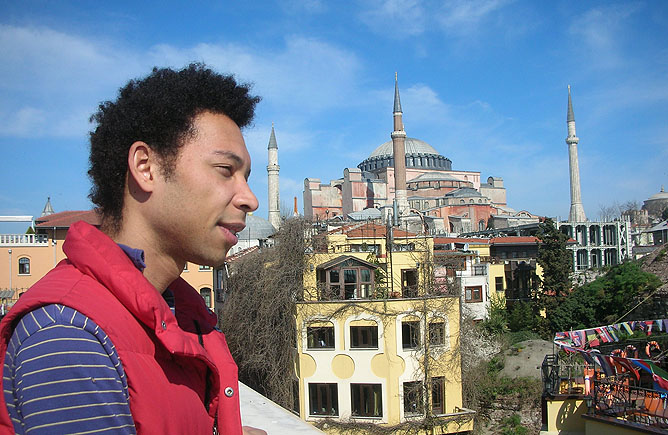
(168, 361)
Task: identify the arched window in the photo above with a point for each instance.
(24, 266)
(481, 225)
(205, 292)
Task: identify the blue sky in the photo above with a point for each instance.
(482, 81)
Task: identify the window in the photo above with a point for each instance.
(480, 270)
(185, 267)
(320, 337)
(323, 399)
(365, 248)
(364, 337)
(403, 247)
(437, 333)
(24, 266)
(348, 283)
(498, 282)
(473, 294)
(205, 267)
(413, 398)
(410, 335)
(409, 283)
(366, 400)
(206, 295)
(438, 395)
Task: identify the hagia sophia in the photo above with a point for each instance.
(447, 200)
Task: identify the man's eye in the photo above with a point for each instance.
(225, 170)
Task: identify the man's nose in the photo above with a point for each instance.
(245, 199)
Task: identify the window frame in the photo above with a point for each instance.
(479, 269)
(498, 280)
(317, 339)
(412, 341)
(408, 290)
(356, 331)
(24, 266)
(437, 333)
(209, 302)
(331, 397)
(469, 297)
(366, 393)
(438, 389)
(413, 389)
(338, 288)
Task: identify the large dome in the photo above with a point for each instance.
(419, 154)
(411, 145)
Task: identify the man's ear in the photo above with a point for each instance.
(142, 167)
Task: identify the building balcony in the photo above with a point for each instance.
(24, 240)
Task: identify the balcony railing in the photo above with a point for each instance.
(24, 240)
(614, 398)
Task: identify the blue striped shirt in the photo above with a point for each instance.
(62, 375)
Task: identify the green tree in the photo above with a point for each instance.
(607, 299)
(557, 263)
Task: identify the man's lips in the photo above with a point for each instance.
(231, 230)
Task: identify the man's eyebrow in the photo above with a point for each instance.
(230, 155)
(238, 160)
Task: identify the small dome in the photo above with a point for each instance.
(257, 228)
(411, 145)
(465, 192)
(661, 195)
(435, 176)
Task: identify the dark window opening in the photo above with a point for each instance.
(320, 337)
(323, 399)
(366, 400)
(206, 295)
(410, 335)
(365, 337)
(438, 395)
(413, 398)
(437, 333)
(409, 283)
(499, 283)
(24, 266)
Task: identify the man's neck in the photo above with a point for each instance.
(161, 268)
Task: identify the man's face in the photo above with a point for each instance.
(204, 201)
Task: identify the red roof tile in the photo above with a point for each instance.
(66, 218)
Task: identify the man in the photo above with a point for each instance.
(113, 340)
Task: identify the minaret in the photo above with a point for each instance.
(577, 213)
(272, 174)
(399, 152)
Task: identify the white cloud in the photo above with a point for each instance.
(395, 18)
(50, 81)
(597, 35)
(463, 17)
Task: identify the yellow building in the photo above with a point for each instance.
(378, 339)
(25, 258)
